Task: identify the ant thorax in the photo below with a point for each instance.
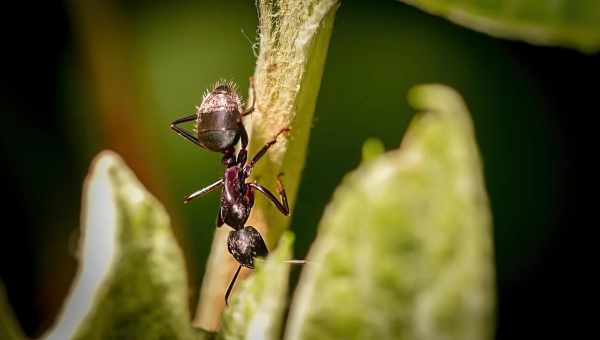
(233, 183)
(223, 98)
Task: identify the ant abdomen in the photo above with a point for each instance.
(246, 244)
(218, 140)
(218, 122)
(219, 119)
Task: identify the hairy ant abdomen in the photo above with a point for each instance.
(218, 121)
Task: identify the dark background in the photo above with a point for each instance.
(78, 78)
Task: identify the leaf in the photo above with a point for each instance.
(404, 249)
(9, 326)
(574, 24)
(294, 38)
(256, 309)
(371, 149)
(131, 282)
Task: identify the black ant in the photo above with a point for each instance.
(219, 126)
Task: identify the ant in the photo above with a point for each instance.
(218, 121)
(219, 127)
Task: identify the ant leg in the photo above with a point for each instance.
(243, 136)
(248, 167)
(243, 153)
(220, 221)
(251, 108)
(237, 272)
(203, 191)
(283, 205)
(183, 132)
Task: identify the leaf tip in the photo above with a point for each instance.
(434, 97)
(105, 160)
(372, 148)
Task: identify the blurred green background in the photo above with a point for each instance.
(86, 76)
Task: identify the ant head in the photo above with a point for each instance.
(246, 244)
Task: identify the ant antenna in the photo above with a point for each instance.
(287, 261)
(237, 272)
(296, 261)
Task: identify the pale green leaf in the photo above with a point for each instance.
(131, 283)
(569, 23)
(256, 309)
(404, 249)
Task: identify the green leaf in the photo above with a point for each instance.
(372, 148)
(256, 309)
(404, 249)
(9, 327)
(294, 38)
(568, 23)
(131, 282)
